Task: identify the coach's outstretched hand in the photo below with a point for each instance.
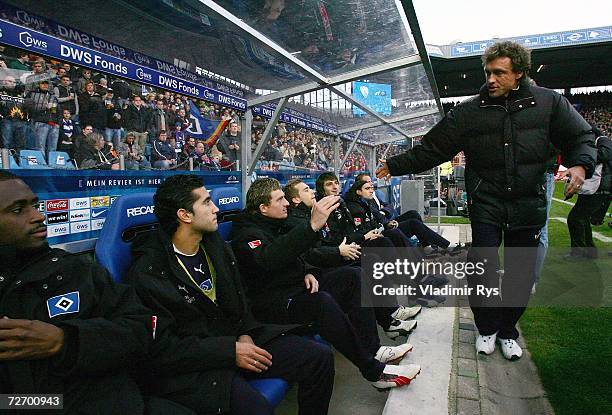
(321, 211)
(383, 171)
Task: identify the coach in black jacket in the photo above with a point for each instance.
(68, 329)
(506, 133)
(209, 344)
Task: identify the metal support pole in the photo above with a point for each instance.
(439, 196)
(351, 147)
(245, 151)
(372, 161)
(121, 162)
(337, 140)
(268, 132)
(6, 162)
(190, 163)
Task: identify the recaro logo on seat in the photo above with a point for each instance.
(227, 200)
(140, 210)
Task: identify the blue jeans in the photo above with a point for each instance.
(14, 134)
(543, 246)
(114, 135)
(46, 137)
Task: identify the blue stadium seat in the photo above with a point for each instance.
(147, 151)
(32, 159)
(225, 230)
(129, 213)
(133, 213)
(273, 390)
(60, 160)
(12, 163)
(346, 186)
(381, 196)
(227, 199)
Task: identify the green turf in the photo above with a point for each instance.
(452, 219)
(571, 345)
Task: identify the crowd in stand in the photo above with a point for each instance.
(47, 105)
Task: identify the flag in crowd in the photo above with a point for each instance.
(204, 129)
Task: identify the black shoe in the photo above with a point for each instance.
(434, 280)
(574, 258)
(431, 300)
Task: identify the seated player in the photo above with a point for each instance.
(283, 288)
(66, 328)
(394, 320)
(210, 344)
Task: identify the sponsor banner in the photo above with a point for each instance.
(56, 205)
(76, 203)
(58, 217)
(99, 213)
(97, 224)
(79, 203)
(80, 214)
(546, 40)
(50, 27)
(54, 231)
(41, 43)
(293, 117)
(41, 205)
(100, 201)
(78, 227)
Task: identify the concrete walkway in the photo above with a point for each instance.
(453, 380)
(492, 385)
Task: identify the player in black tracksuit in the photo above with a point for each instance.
(68, 329)
(204, 320)
(283, 288)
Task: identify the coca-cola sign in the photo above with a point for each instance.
(57, 204)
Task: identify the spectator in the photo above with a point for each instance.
(133, 154)
(13, 115)
(22, 63)
(66, 96)
(66, 133)
(84, 79)
(114, 118)
(90, 154)
(229, 144)
(159, 119)
(42, 106)
(92, 110)
(38, 74)
(162, 155)
(136, 119)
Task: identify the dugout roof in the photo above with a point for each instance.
(286, 47)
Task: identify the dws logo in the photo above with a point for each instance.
(30, 41)
(228, 200)
(140, 210)
(142, 75)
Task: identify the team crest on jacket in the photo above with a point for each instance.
(254, 244)
(357, 221)
(63, 304)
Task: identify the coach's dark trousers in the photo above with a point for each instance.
(501, 313)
